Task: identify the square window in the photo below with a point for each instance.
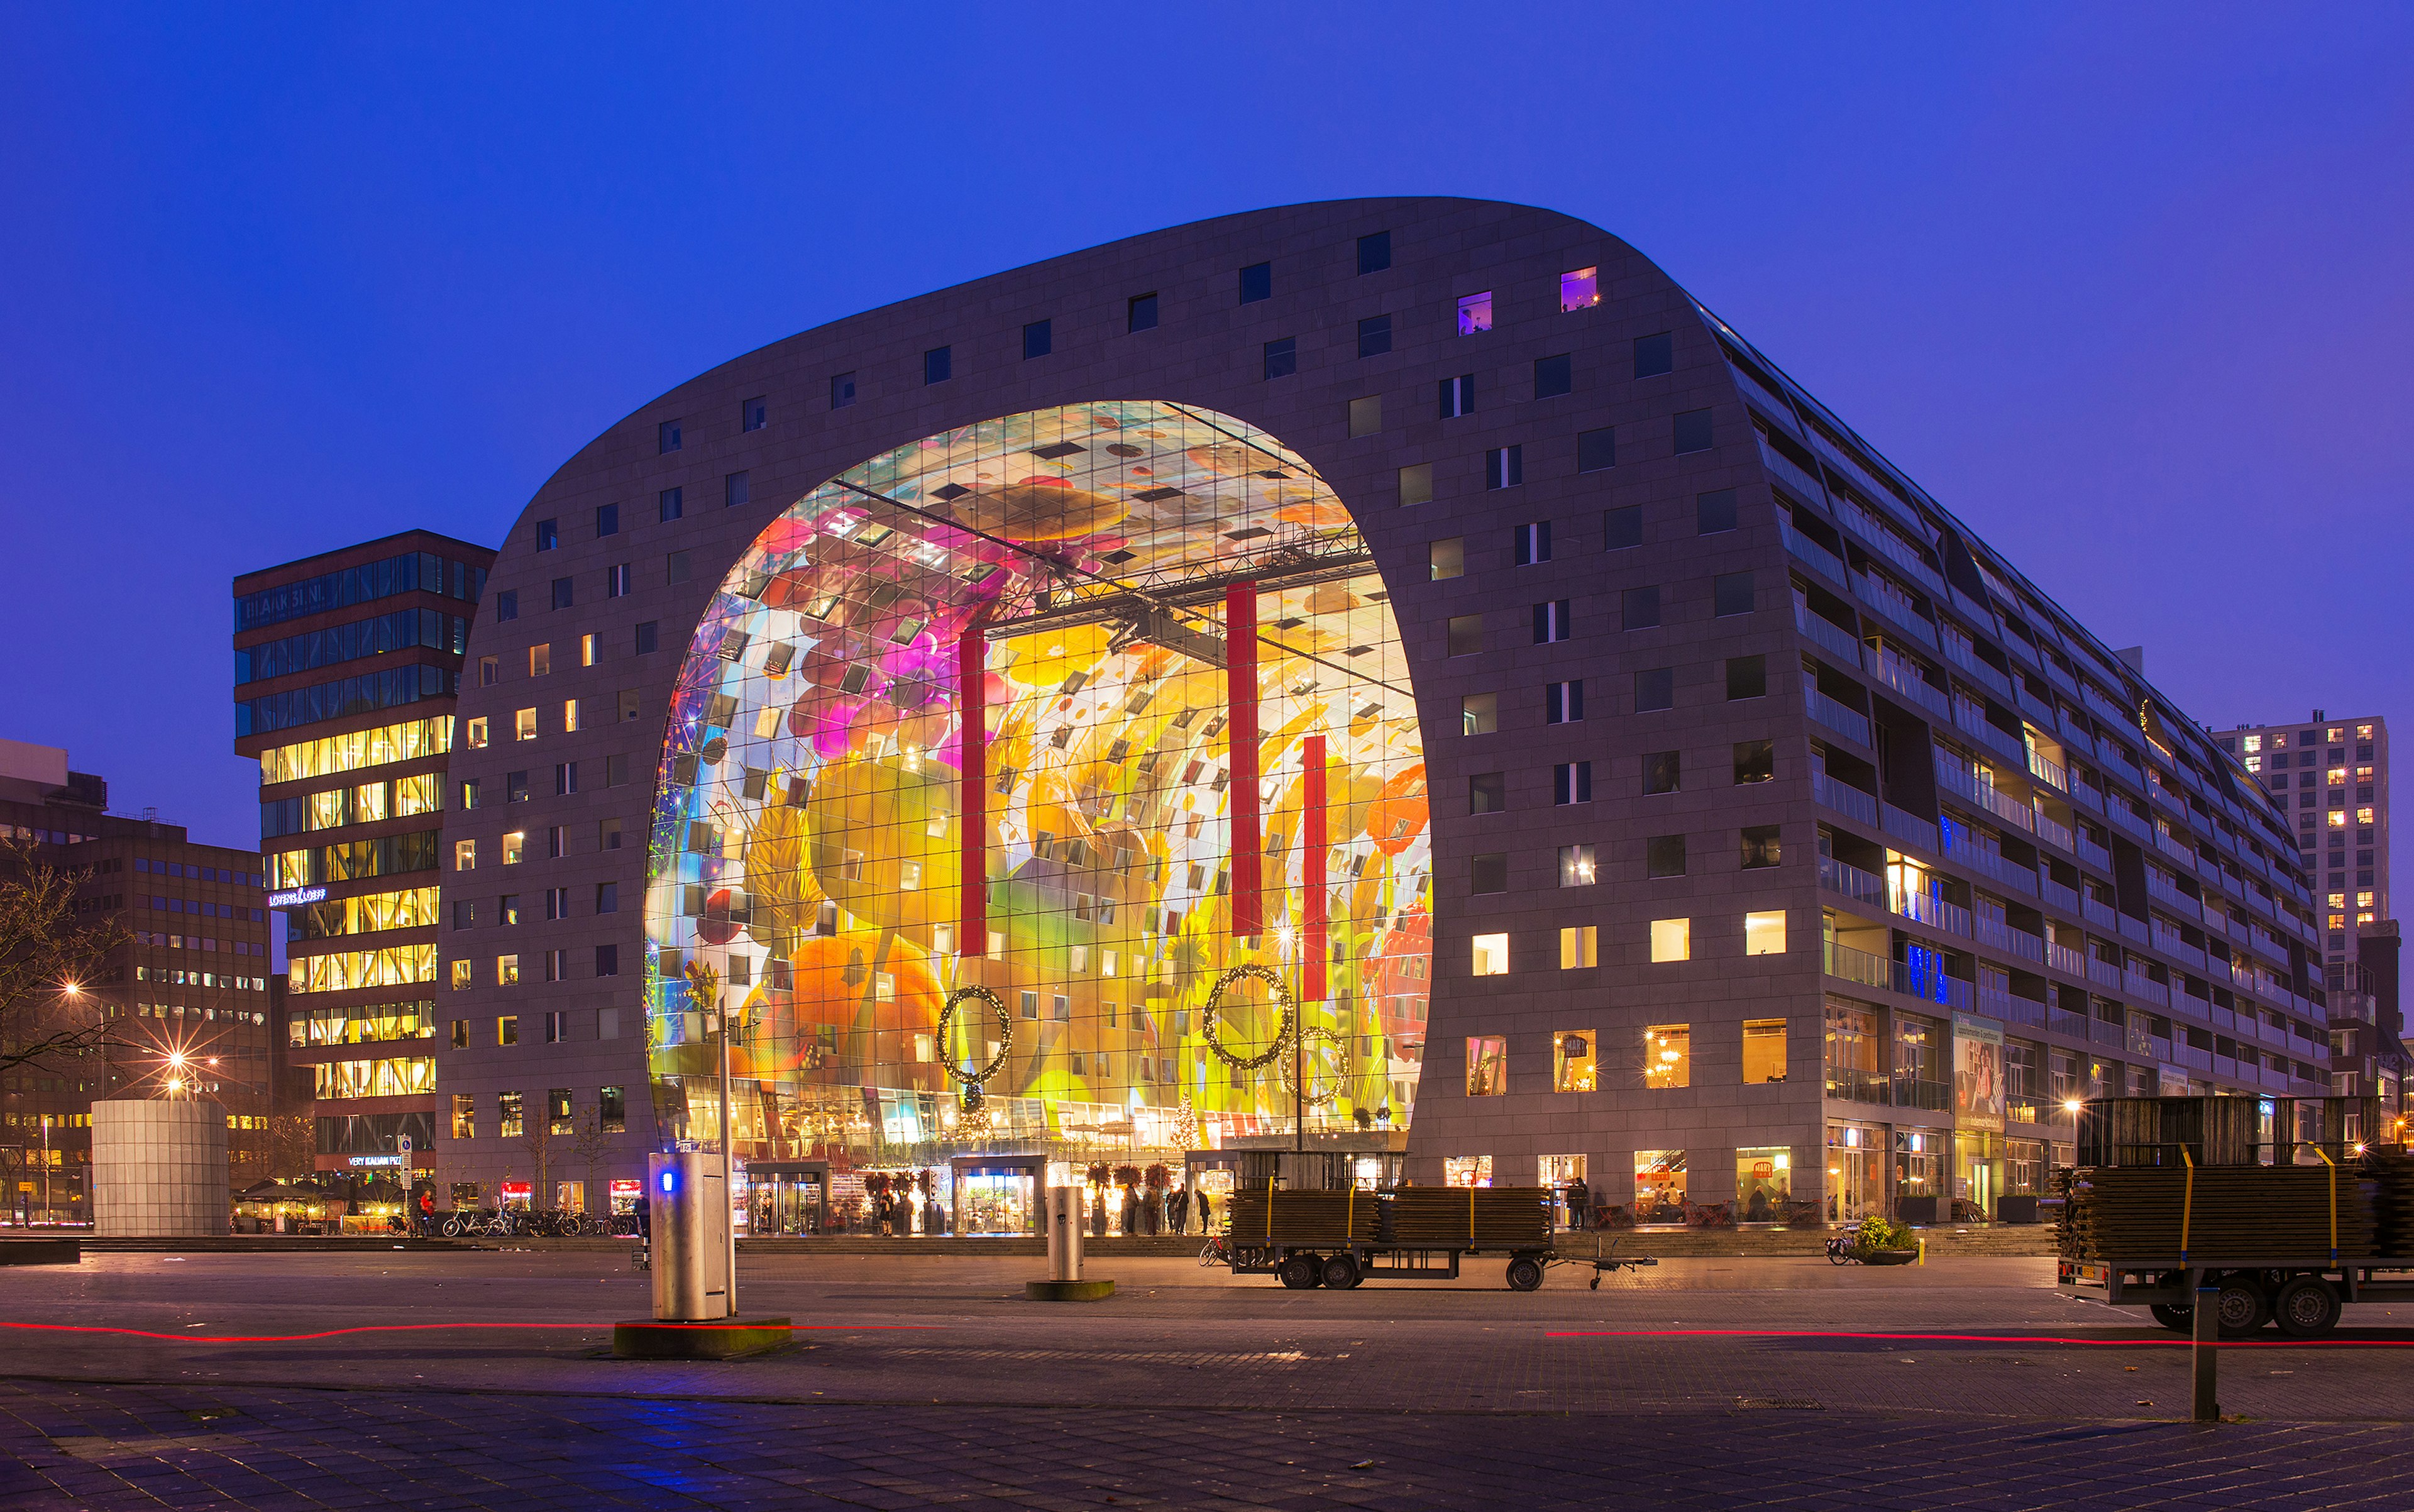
(1715, 511)
(514, 846)
(755, 414)
(1374, 253)
(1597, 450)
(1489, 872)
(670, 504)
(1479, 713)
(1563, 703)
(1555, 376)
(1282, 357)
(736, 489)
(1504, 467)
(1446, 558)
(841, 390)
(675, 567)
(1256, 282)
(524, 724)
(1576, 866)
(1638, 608)
(1730, 593)
(1474, 313)
(1579, 947)
(667, 437)
(564, 593)
(507, 604)
(1366, 416)
(1654, 354)
(1416, 484)
(1457, 395)
(1487, 792)
(1572, 783)
(1672, 939)
(1374, 336)
(1579, 290)
(548, 534)
(608, 519)
(1490, 955)
(1655, 688)
(647, 636)
(1668, 1055)
(1622, 529)
(1746, 677)
(1662, 772)
(1551, 622)
(1571, 1060)
(1760, 846)
(1487, 1063)
(1663, 856)
(1693, 431)
(1465, 633)
(507, 974)
(465, 855)
(1764, 1039)
(938, 365)
(1755, 761)
(1140, 313)
(1532, 544)
(1764, 933)
(1038, 339)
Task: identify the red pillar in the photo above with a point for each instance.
(1312, 882)
(1241, 729)
(972, 832)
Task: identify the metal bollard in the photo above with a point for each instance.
(1064, 1233)
(2205, 1329)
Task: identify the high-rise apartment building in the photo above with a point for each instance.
(187, 997)
(1415, 623)
(347, 668)
(2331, 775)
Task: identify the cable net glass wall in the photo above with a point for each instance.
(808, 843)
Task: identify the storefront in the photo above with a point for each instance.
(1977, 1177)
(625, 1192)
(1857, 1172)
(1658, 1185)
(786, 1198)
(1560, 1174)
(1919, 1164)
(1764, 1184)
(997, 1194)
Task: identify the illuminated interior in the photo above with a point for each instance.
(807, 843)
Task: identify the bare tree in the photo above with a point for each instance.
(538, 1141)
(49, 957)
(593, 1145)
(285, 1145)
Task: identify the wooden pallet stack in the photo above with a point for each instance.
(2391, 1171)
(1281, 1217)
(1471, 1218)
(2250, 1213)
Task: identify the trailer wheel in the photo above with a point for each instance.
(1340, 1273)
(2241, 1307)
(1525, 1273)
(2178, 1317)
(2306, 1307)
(1299, 1272)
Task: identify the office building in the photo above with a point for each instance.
(186, 995)
(1420, 618)
(348, 665)
(2333, 777)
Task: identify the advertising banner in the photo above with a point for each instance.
(1977, 1072)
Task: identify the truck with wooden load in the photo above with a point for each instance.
(2288, 1208)
(1341, 1238)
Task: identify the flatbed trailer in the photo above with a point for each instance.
(1308, 1251)
(2302, 1295)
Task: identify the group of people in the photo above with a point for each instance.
(1154, 1210)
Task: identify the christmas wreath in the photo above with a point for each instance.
(1214, 1007)
(1004, 1033)
(1340, 1062)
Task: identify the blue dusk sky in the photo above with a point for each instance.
(2126, 287)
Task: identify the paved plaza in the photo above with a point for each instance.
(926, 1381)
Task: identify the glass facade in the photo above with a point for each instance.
(1184, 658)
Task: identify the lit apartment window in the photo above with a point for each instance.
(539, 660)
(1763, 1051)
(515, 845)
(1672, 939)
(1579, 947)
(1479, 713)
(1416, 484)
(755, 414)
(507, 974)
(1475, 313)
(1576, 866)
(477, 734)
(1487, 1065)
(465, 976)
(1668, 1055)
(1366, 416)
(1764, 933)
(465, 855)
(1489, 955)
(1579, 289)
(1446, 558)
(586, 651)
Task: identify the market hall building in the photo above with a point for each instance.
(1417, 619)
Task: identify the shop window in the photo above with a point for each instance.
(1763, 1051)
(1668, 1055)
(1579, 947)
(1571, 1061)
(1658, 1185)
(1467, 1170)
(1764, 933)
(1672, 939)
(1490, 955)
(1579, 289)
(1764, 1182)
(1487, 1065)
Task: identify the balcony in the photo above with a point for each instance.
(2132, 928)
(1928, 982)
(1844, 798)
(2010, 1007)
(2100, 914)
(1972, 721)
(1851, 725)
(1896, 606)
(1911, 1092)
(1912, 830)
(1835, 638)
(1847, 1084)
(1800, 482)
(2066, 959)
(2138, 985)
(2171, 897)
(2179, 950)
(2056, 831)
(1854, 883)
(1886, 543)
(1858, 967)
(2094, 854)
(1812, 552)
(1929, 910)
(1995, 865)
(2193, 1058)
(2073, 1025)
(2104, 973)
(2077, 740)
(2066, 899)
(2125, 817)
(2047, 770)
(2110, 756)
(2107, 1033)
(1904, 679)
(2003, 936)
(2087, 796)
(1774, 402)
